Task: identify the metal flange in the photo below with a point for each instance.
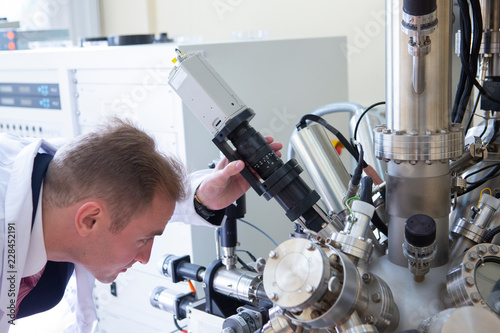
(432, 146)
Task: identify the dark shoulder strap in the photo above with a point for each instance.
(49, 290)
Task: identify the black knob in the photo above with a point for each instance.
(420, 230)
(419, 7)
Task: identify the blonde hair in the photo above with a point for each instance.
(117, 163)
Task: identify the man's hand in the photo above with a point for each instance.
(225, 184)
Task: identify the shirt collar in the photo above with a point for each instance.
(37, 255)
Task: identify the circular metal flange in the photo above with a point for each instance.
(296, 278)
(402, 146)
(351, 297)
(296, 274)
(381, 305)
(469, 230)
(358, 247)
(465, 284)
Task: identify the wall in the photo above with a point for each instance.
(362, 21)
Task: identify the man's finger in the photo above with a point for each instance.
(234, 168)
(269, 139)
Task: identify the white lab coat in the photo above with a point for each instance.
(16, 165)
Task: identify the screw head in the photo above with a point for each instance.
(376, 297)
(273, 296)
(310, 247)
(469, 281)
(273, 254)
(367, 277)
(494, 249)
(469, 267)
(473, 256)
(309, 289)
(475, 297)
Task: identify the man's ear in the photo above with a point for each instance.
(89, 217)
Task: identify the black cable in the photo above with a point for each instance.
(488, 176)
(469, 58)
(468, 66)
(463, 75)
(492, 233)
(303, 123)
(366, 196)
(465, 58)
(362, 115)
(245, 266)
(379, 224)
(249, 254)
(472, 114)
(485, 179)
(476, 46)
(358, 171)
(482, 169)
(177, 324)
(366, 190)
(472, 77)
(465, 40)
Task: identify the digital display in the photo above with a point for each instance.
(25, 102)
(6, 89)
(7, 101)
(30, 95)
(24, 89)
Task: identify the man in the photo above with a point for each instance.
(104, 197)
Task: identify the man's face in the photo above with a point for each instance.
(109, 254)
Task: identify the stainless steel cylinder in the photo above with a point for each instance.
(163, 299)
(239, 284)
(417, 189)
(490, 10)
(320, 159)
(490, 45)
(429, 111)
(418, 139)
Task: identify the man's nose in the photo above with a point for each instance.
(144, 253)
